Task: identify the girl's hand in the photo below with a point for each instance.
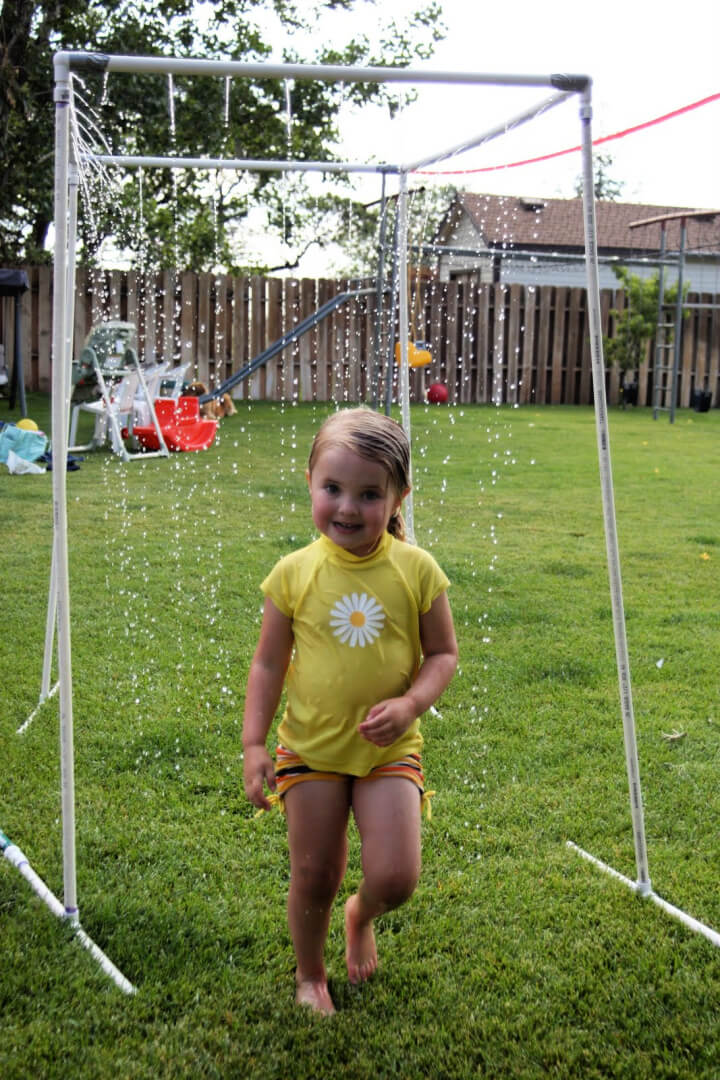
(387, 721)
(258, 769)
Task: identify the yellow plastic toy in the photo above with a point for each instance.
(27, 424)
(417, 355)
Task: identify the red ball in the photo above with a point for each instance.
(437, 393)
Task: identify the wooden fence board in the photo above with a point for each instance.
(451, 338)
(714, 356)
(559, 348)
(256, 382)
(544, 344)
(573, 366)
(41, 365)
(274, 331)
(686, 363)
(528, 346)
(469, 342)
(482, 336)
(703, 344)
(511, 391)
(167, 296)
(190, 350)
(499, 341)
(435, 322)
(308, 302)
(203, 335)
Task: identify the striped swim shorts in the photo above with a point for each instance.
(290, 769)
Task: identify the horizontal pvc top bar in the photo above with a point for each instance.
(329, 72)
(237, 164)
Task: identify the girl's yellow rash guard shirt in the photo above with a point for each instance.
(355, 622)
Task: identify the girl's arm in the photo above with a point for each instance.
(264, 687)
(389, 719)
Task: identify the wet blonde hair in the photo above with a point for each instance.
(373, 436)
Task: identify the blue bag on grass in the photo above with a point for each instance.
(29, 445)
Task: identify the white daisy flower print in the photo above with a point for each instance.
(358, 620)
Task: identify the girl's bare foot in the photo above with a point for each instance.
(315, 994)
(360, 949)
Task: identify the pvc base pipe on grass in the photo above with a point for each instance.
(645, 891)
(18, 859)
(43, 698)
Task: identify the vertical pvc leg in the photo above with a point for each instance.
(390, 362)
(59, 445)
(611, 542)
(404, 330)
(379, 295)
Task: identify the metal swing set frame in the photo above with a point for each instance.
(562, 87)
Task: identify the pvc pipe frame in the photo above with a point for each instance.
(18, 859)
(670, 909)
(62, 323)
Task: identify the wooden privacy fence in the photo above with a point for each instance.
(489, 343)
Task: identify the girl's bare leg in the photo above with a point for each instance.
(317, 816)
(387, 812)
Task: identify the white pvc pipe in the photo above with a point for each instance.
(43, 698)
(161, 65)
(45, 689)
(162, 450)
(59, 451)
(73, 186)
(404, 330)
(18, 859)
(608, 503)
(239, 164)
(73, 181)
(493, 133)
(49, 628)
(677, 913)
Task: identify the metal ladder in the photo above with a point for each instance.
(665, 375)
(663, 383)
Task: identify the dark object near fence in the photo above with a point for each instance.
(14, 283)
(702, 400)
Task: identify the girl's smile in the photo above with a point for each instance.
(352, 499)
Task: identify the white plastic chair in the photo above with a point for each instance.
(112, 411)
(154, 374)
(172, 381)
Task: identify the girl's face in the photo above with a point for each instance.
(352, 499)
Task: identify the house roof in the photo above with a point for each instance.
(558, 224)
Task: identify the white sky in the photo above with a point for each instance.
(646, 58)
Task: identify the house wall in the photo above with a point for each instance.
(464, 236)
(700, 276)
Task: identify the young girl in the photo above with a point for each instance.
(360, 624)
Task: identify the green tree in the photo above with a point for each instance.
(358, 238)
(604, 185)
(635, 324)
(188, 218)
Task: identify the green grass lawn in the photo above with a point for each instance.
(515, 957)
